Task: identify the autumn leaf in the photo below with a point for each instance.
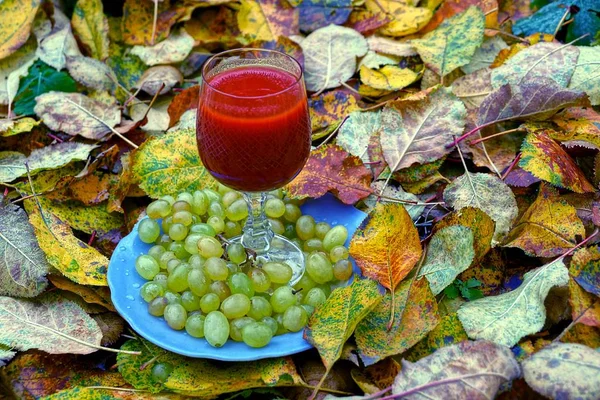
(473, 88)
(415, 313)
(366, 21)
(355, 134)
(585, 307)
(138, 23)
(564, 369)
(447, 332)
(586, 76)
(185, 100)
(506, 318)
(585, 269)
(91, 73)
(548, 228)
(23, 265)
(464, 370)
(389, 77)
(55, 46)
(406, 19)
(90, 26)
(213, 27)
(580, 127)
(393, 194)
(173, 49)
(267, 20)
(48, 323)
(90, 294)
(160, 79)
(329, 109)
(12, 68)
(315, 14)
(331, 169)
(111, 326)
(16, 127)
(386, 246)
(453, 43)
(17, 18)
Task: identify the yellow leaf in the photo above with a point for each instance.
(389, 77)
(15, 24)
(76, 260)
(91, 27)
(14, 127)
(407, 19)
(267, 20)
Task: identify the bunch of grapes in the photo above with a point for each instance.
(216, 289)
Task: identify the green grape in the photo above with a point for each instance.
(232, 229)
(335, 237)
(274, 208)
(216, 269)
(236, 326)
(290, 231)
(178, 232)
(342, 270)
(221, 289)
(212, 195)
(277, 193)
(257, 334)
(278, 272)
(190, 301)
(222, 189)
(181, 205)
(217, 223)
(315, 297)
(235, 306)
(209, 302)
(198, 283)
(151, 290)
(172, 298)
(305, 227)
(236, 253)
(271, 323)
(233, 268)
(190, 244)
(175, 315)
(146, 266)
(308, 308)
(178, 279)
(168, 198)
(166, 223)
(259, 308)
(165, 258)
(338, 253)
(161, 279)
(280, 329)
(230, 197)
(297, 242)
(216, 328)
(158, 209)
(313, 244)
(161, 372)
(260, 280)
(179, 249)
(319, 268)
(305, 284)
(209, 247)
(199, 202)
(238, 210)
(194, 325)
(321, 230)
(183, 217)
(196, 261)
(299, 296)
(294, 318)
(148, 230)
(277, 226)
(216, 209)
(240, 283)
(163, 240)
(292, 213)
(172, 264)
(157, 306)
(282, 298)
(203, 229)
(185, 196)
(156, 251)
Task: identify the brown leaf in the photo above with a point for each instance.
(91, 294)
(160, 79)
(185, 100)
(111, 326)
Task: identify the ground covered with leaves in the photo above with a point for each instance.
(468, 130)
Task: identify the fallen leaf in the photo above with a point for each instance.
(329, 109)
(392, 47)
(76, 260)
(366, 21)
(544, 20)
(564, 370)
(580, 126)
(584, 21)
(156, 117)
(355, 134)
(448, 331)
(466, 370)
(406, 19)
(23, 265)
(214, 27)
(138, 21)
(389, 77)
(12, 68)
(453, 43)
(484, 56)
(583, 334)
(548, 228)
(450, 252)
(330, 56)
(18, 126)
(419, 131)
(90, 26)
(39, 323)
(335, 320)
(159, 79)
(54, 48)
(386, 246)
(17, 18)
(91, 73)
(267, 20)
(90, 294)
(584, 306)
(585, 269)
(473, 88)
(173, 49)
(111, 326)
(391, 194)
(6, 355)
(315, 14)
(415, 314)
(331, 169)
(506, 318)
(586, 76)
(185, 100)
(452, 7)
(76, 114)
(170, 164)
(375, 60)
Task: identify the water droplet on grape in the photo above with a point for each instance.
(129, 297)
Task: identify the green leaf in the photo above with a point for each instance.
(473, 294)
(37, 324)
(330, 56)
(489, 194)
(415, 315)
(12, 68)
(201, 377)
(506, 318)
(40, 79)
(170, 164)
(453, 43)
(473, 283)
(564, 370)
(23, 265)
(450, 252)
(334, 321)
(587, 73)
(451, 291)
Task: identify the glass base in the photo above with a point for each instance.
(282, 250)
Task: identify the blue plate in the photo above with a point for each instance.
(125, 283)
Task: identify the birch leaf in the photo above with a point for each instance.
(586, 76)
(91, 27)
(15, 26)
(173, 49)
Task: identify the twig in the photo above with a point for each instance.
(332, 134)
(483, 139)
(154, 21)
(561, 22)
(510, 35)
(511, 166)
(572, 324)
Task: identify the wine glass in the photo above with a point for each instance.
(253, 134)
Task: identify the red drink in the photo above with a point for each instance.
(253, 128)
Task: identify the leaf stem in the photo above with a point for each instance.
(511, 166)
(560, 23)
(333, 133)
(483, 139)
(572, 324)
(117, 389)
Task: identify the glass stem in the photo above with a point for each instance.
(257, 233)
